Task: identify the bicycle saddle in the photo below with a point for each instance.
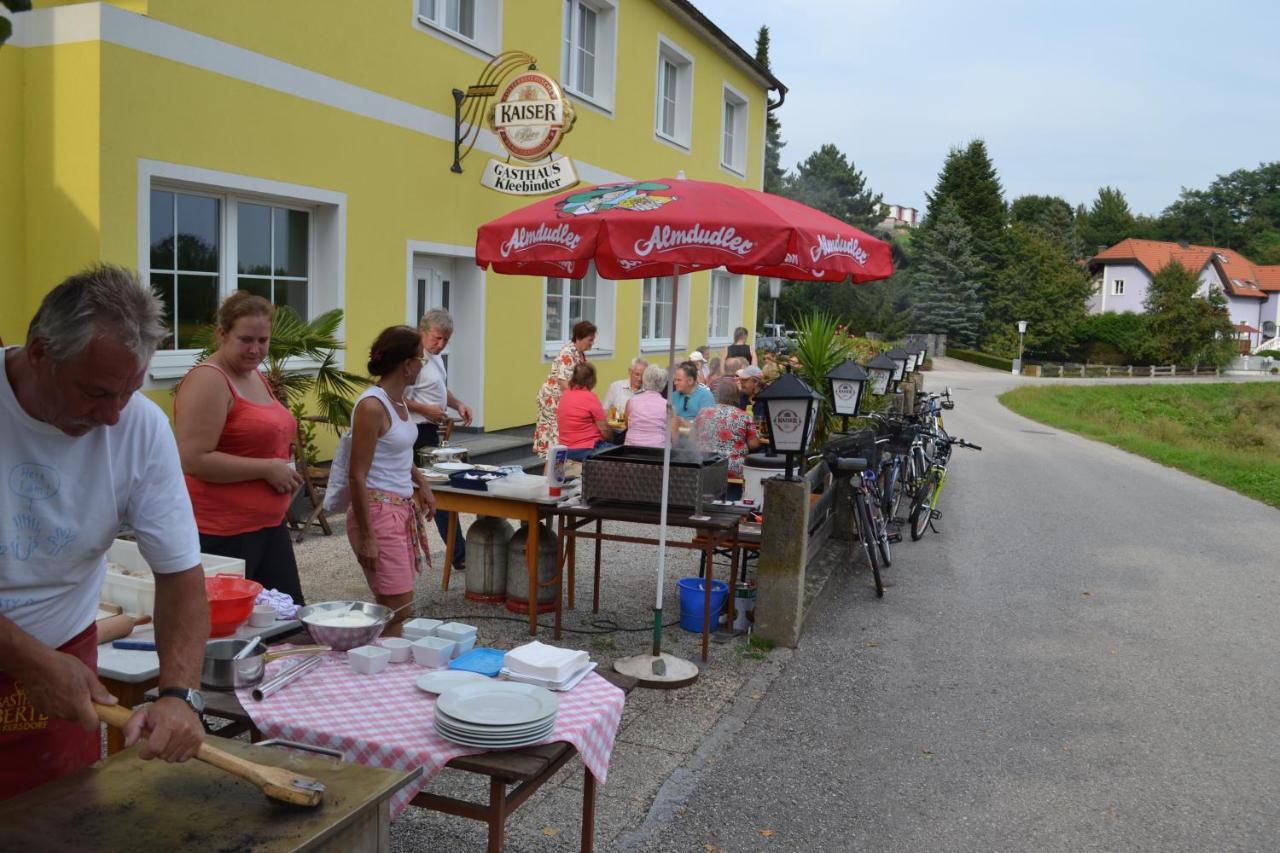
(849, 464)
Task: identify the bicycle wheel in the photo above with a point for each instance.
(861, 514)
(881, 527)
(893, 488)
(922, 506)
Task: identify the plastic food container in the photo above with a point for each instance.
(136, 592)
(369, 660)
(433, 651)
(263, 616)
(457, 631)
(398, 646)
(461, 647)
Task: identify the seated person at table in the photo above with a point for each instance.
(732, 366)
(580, 420)
(615, 400)
(82, 452)
(727, 430)
(647, 421)
(690, 396)
(750, 383)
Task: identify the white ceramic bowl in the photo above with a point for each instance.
(369, 660)
(461, 647)
(432, 651)
(415, 629)
(398, 646)
(263, 616)
(456, 631)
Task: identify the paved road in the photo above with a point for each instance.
(1084, 659)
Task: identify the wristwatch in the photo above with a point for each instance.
(186, 694)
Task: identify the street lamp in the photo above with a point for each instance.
(775, 290)
(1022, 330)
(902, 359)
(847, 382)
(881, 370)
(917, 350)
(792, 408)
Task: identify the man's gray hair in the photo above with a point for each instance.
(639, 362)
(438, 319)
(727, 392)
(105, 300)
(654, 378)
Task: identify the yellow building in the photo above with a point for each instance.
(302, 148)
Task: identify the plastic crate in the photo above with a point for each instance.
(137, 595)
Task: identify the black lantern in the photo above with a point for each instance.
(792, 409)
(881, 370)
(847, 382)
(918, 351)
(902, 359)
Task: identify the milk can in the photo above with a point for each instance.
(518, 571)
(487, 542)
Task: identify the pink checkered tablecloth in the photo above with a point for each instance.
(384, 720)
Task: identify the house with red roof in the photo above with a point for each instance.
(1123, 272)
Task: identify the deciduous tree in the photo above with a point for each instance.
(1041, 285)
(1184, 328)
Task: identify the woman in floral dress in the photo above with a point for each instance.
(727, 430)
(545, 432)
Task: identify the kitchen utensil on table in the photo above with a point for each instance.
(285, 678)
(118, 627)
(231, 600)
(278, 783)
(222, 671)
(369, 660)
(454, 467)
(344, 625)
(249, 649)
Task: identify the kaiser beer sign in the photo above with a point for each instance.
(530, 118)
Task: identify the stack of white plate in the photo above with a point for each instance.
(496, 714)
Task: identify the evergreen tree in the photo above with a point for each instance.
(826, 180)
(1052, 216)
(1185, 328)
(969, 178)
(773, 144)
(946, 273)
(1108, 221)
(1041, 285)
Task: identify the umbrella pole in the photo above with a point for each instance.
(660, 670)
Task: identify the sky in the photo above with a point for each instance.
(1145, 96)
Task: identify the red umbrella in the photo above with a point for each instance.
(670, 227)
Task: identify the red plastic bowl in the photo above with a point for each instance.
(231, 600)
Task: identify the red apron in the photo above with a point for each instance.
(34, 748)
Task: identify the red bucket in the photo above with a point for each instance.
(231, 600)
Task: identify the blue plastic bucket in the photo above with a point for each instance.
(693, 593)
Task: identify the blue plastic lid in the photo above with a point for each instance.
(482, 660)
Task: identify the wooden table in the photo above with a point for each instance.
(126, 804)
(129, 674)
(716, 530)
(529, 511)
(527, 769)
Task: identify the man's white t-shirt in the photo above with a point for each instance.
(62, 500)
(618, 395)
(430, 388)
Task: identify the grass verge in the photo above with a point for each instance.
(1226, 433)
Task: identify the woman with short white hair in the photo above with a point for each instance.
(647, 412)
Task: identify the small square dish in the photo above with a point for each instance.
(369, 660)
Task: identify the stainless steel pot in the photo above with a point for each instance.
(221, 672)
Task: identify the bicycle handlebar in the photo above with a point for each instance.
(963, 443)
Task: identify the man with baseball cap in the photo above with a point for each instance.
(700, 361)
(750, 382)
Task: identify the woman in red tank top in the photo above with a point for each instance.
(235, 440)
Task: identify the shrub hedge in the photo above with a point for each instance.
(981, 358)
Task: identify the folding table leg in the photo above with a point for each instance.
(595, 583)
(709, 553)
(588, 810)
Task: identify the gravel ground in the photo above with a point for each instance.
(661, 730)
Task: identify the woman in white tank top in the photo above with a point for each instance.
(389, 496)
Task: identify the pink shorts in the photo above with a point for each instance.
(397, 566)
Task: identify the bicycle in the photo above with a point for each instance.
(924, 506)
(864, 504)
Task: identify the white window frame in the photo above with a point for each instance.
(604, 82)
(1117, 287)
(734, 287)
(486, 18)
(734, 138)
(326, 262)
(604, 319)
(649, 343)
(682, 133)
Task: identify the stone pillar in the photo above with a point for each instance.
(784, 546)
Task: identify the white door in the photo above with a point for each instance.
(456, 285)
